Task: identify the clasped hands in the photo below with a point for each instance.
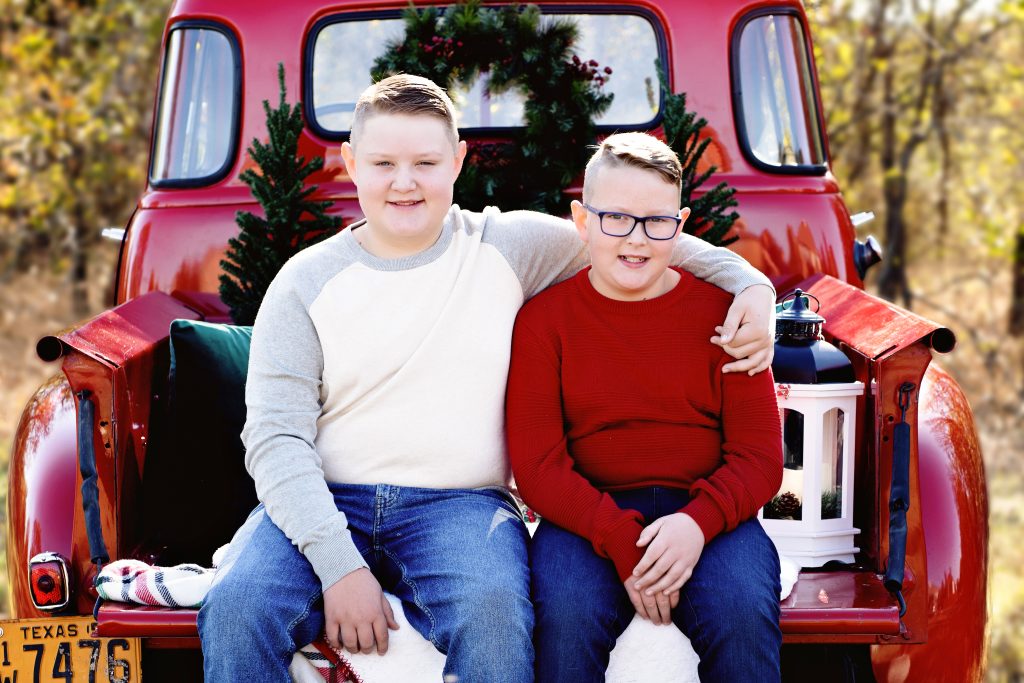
(674, 544)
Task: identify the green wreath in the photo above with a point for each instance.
(518, 50)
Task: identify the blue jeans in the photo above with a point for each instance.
(729, 608)
(456, 559)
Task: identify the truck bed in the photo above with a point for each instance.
(840, 606)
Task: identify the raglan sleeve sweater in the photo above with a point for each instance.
(606, 395)
(283, 404)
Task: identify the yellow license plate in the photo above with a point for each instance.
(62, 649)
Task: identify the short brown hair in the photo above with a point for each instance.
(636, 150)
(405, 94)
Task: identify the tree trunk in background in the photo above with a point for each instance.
(941, 113)
(77, 219)
(892, 281)
(1016, 326)
(78, 255)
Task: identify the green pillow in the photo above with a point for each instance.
(196, 489)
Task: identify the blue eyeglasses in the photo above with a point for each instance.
(619, 224)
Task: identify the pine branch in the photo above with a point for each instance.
(290, 222)
(709, 218)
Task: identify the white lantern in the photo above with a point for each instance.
(811, 518)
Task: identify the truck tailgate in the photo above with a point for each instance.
(844, 606)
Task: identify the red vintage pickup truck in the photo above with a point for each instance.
(100, 469)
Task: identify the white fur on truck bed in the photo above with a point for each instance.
(644, 653)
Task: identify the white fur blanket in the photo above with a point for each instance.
(644, 653)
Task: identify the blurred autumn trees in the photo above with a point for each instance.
(923, 101)
(76, 95)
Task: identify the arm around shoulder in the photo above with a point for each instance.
(541, 249)
(748, 331)
(717, 265)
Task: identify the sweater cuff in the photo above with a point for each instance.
(755, 283)
(334, 558)
(707, 515)
(620, 547)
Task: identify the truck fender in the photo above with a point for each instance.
(954, 511)
(41, 489)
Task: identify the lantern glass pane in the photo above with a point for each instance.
(832, 464)
(788, 504)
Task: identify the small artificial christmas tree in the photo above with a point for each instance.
(709, 219)
(291, 222)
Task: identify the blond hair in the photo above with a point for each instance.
(636, 150)
(405, 94)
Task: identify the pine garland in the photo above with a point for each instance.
(518, 50)
(290, 223)
(709, 219)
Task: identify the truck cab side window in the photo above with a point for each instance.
(197, 108)
(775, 96)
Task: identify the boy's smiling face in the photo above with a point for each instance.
(633, 267)
(404, 167)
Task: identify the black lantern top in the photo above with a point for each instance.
(802, 356)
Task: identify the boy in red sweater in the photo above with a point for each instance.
(647, 463)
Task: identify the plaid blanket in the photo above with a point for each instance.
(184, 586)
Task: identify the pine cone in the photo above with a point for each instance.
(787, 506)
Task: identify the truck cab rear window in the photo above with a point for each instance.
(775, 97)
(198, 106)
(343, 50)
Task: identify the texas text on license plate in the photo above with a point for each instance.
(62, 649)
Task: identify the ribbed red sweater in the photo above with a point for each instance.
(606, 395)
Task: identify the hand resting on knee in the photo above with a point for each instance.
(357, 615)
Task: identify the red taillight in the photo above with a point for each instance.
(49, 580)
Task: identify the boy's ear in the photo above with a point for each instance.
(579, 219)
(348, 155)
(460, 156)
(684, 213)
